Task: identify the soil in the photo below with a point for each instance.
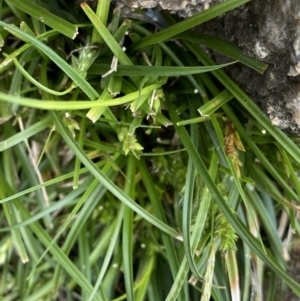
(268, 30)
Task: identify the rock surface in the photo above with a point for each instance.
(268, 30)
(183, 8)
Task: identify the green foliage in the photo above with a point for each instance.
(113, 187)
(225, 232)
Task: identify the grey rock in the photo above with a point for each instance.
(183, 8)
(270, 31)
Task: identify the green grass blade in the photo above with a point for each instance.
(236, 224)
(214, 104)
(256, 150)
(144, 274)
(29, 170)
(46, 17)
(109, 253)
(75, 105)
(94, 191)
(45, 184)
(11, 219)
(27, 133)
(60, 256)
(159, 212)
(127, 235)
(269, 227)
(80, 142)
(107, 182)
(188, 205)
(195, 120)
(7, 62)
(188, 23)
(209, 273)
(154, 70)
(244, 134)
(291, 170)
(38, 84)
(287, 144)
(226, 48)
(63, 203)
(197, 233)
(71, 215)
(70, 71)
(102, 13)
(233, 275)
(95, 113)
(106, 35)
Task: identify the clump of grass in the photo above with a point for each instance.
(133, 167)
